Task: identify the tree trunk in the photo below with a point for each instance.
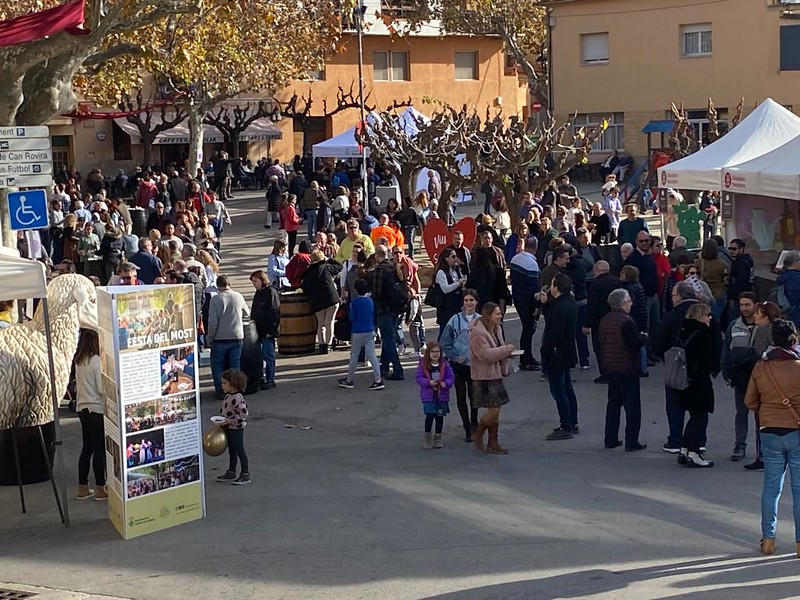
(195, 137)
(233, 144)
(406, 181)
(147, 147)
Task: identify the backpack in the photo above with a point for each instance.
(676, 375)
(396, 294)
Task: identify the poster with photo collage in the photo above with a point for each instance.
(153, 434)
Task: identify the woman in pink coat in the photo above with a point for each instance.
(488, 355)
(291, 221)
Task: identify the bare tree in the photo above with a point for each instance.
(169, 115)
(234, 120)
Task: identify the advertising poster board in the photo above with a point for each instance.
(148, 348)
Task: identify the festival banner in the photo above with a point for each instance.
(154, 455)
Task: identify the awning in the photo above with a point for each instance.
(663, 126)
(259, 130)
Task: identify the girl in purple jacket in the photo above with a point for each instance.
(435, 378)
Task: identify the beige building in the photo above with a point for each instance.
(629, 59)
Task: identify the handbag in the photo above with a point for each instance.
(786, 401)
(434, 297)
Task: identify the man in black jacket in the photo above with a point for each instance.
(620, 342)
(742, 275)
(385, 279)
(597, 305)
(559, 354)
(578, 269)
(266, 314)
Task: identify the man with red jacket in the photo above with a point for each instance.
(620, 342)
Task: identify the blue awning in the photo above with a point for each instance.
(664, 126)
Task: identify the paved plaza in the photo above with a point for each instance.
(346, 504)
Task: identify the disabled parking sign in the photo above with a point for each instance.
(28, 210)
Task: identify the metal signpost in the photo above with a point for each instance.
(26, 161)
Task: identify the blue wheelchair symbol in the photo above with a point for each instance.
(28, 210)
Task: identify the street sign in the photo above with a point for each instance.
(25, 156)
(17, 169)
(27, 181)
(28, 210)
(536, 106)
(24, 144)
(33, 131)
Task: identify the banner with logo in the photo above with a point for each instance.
(154, 452)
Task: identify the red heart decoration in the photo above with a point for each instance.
(437, 237)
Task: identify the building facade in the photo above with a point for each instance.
(627, 60)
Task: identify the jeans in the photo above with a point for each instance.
(675, 418)
(643, 359)
(236, 450)
(623, 391)
(528, 321)
(718, 307)
(387, 325)
(363, 342)
(741, 419)
(311, 223)
(780, 452)
(225, 354)
(93, 448)
(580, 338)
(564, 395)
(416, 325)
(325, 319)
(408, 232)
(268, 352)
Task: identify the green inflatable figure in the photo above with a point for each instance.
(689, 220)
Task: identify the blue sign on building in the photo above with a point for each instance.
(28, 210)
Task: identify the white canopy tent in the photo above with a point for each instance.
(767, 127)
(261, 129)
(25, 279)
(775, 174)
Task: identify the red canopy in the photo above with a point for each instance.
(38, 25)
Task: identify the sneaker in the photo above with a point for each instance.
(559, 434)
(670, 449)
(738, 454)
(600, 379)
(696, 460)
(612, 445)
(243, 479)
(635, 447)
(575, 429)
(395, 377)
(585, 367)
(376, 386)
(756, 465)
(345, 383)
(227, 476)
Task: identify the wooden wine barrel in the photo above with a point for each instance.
(298, 326)
(139, 221)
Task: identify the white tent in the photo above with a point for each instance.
(344, 145)
(767, 127)
(25, 279)
(775, 174)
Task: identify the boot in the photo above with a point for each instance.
(494, 447)
(695, 460)
(767, 546)
(427, 441)
(101, 493)
(477, 437)
(468, 433)
(84, 492)
(437, 441)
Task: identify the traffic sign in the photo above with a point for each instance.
(28, 210)
(17, 169)
(33, 131)
(25, 181)
(24, 144)
(25, 156)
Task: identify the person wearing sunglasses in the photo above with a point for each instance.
(742, 275)
(354, 236)
(127, 274)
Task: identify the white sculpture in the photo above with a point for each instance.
(25, 397)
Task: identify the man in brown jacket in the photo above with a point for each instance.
(620, 342)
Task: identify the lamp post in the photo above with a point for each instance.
(359, 18)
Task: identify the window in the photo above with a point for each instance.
(402, 9)
(698, 120)
(390, 66)
(790, 48)
(614, 136)
(696, 40)
(317, 74)
(466, 65)
(594, 48)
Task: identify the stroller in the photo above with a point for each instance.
(342, 327)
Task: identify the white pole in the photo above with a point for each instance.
(360, 27)
(57, 442)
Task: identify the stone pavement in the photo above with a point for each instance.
(354, 507)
